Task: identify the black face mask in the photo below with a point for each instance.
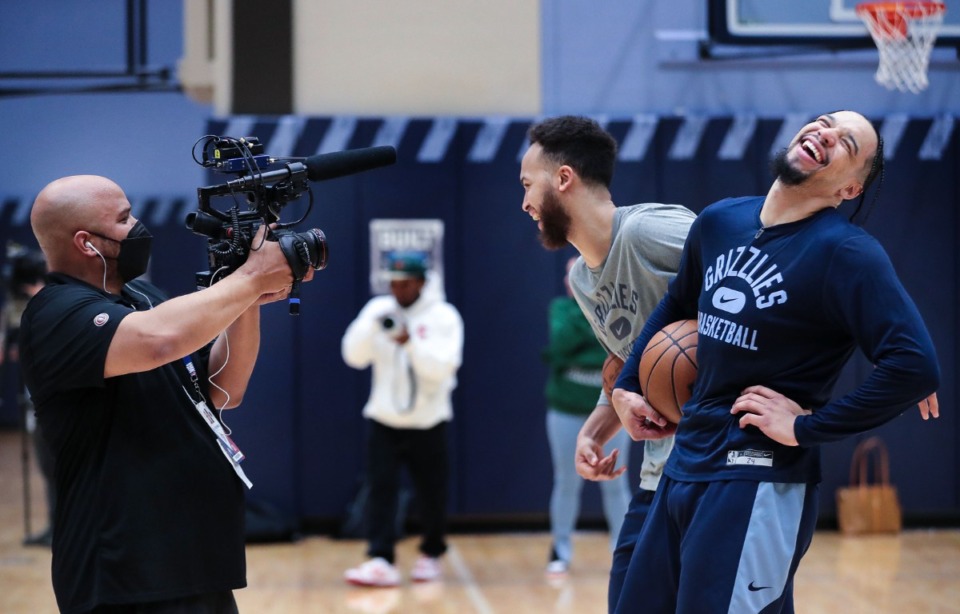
(134, 252)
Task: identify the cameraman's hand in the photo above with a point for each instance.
(268, 268)
(283, 294)
(273, 297)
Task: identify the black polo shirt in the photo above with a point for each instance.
(148, 508)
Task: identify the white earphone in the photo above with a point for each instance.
(90, 245)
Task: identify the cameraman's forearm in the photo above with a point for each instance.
(178, 327)
(232, 359)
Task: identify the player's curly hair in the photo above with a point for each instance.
(580, 143)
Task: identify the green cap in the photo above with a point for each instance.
(406, 264)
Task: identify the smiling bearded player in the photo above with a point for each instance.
(627, 257)
(784, 289)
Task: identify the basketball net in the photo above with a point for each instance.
(904, 33)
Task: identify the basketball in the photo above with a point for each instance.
(668, 368)
(611, 371)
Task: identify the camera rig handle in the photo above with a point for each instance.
(303, 251)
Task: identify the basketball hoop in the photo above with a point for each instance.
(904, 33)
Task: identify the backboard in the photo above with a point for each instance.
(827, 23)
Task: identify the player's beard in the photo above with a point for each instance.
(782, 170)
(555, 221)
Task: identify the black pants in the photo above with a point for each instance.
(209, 603)
(424, 454)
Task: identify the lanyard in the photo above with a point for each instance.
(230, 450)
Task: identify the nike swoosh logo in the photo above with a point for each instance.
(621, 328)
(729, 300)
(756, 588)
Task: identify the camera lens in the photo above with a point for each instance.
(316, 244)
(204, 224)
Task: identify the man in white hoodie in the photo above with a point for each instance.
(413, 339)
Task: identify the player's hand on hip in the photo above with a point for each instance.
(929, 407)
(770, 411)
(641, 421)
(592, 465)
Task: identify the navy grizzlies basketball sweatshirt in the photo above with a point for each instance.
(785, 307)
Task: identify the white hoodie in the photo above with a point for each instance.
(412, 382)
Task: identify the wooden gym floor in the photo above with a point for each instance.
(915, 572)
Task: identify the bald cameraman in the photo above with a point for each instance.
(127, 388)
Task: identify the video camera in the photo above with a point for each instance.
(394, 325)
(268, 185)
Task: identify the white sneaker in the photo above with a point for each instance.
(426, 569)
(557, 567)
(375, 572)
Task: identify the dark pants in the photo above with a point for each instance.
(626, 541)
(209, 603)
(720, 546)
(424, 454)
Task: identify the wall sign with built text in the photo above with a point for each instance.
(388, 236)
